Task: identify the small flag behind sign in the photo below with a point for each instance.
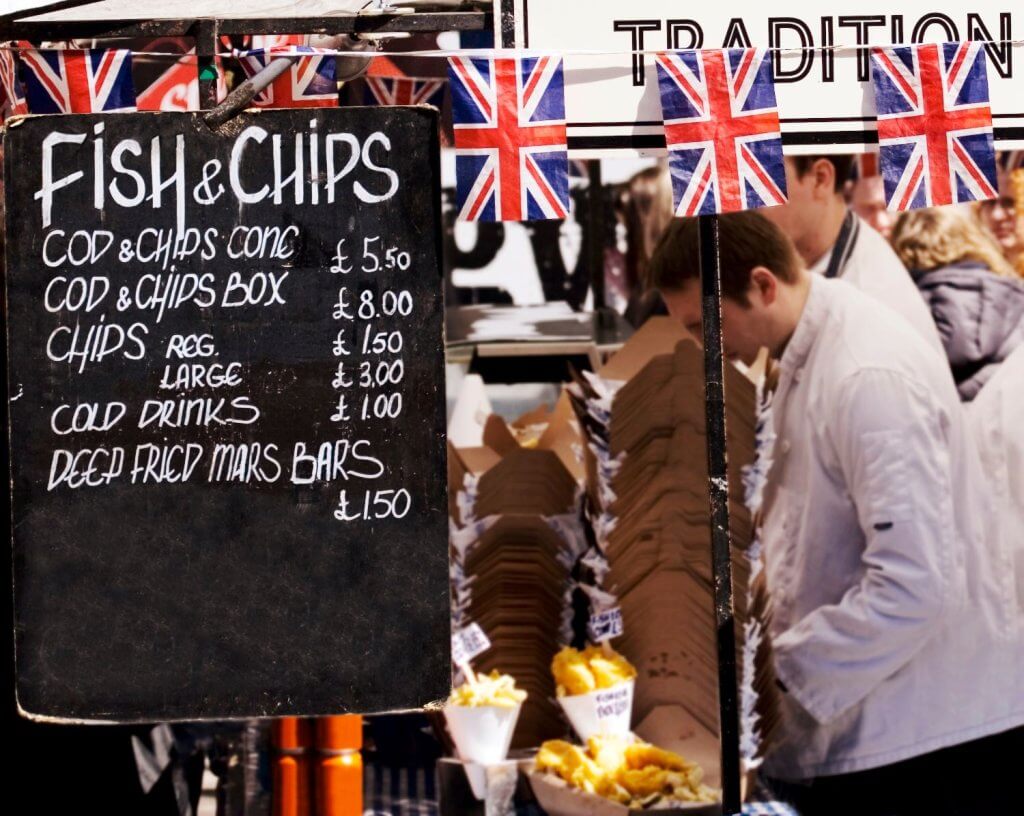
(511, 154)
(309, 83)
(934, 124)
(78, 81)
(721, 130)
(864, 166)
(263, 41)
(12, 94)
(176, 89)
(403, 91)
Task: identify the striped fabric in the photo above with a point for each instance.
(412, 791)
(407, 791)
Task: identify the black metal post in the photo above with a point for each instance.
(718, 492)
(594, 247)
(206, 52)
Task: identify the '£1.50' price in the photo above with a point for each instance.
(381, 341)
(373, 505)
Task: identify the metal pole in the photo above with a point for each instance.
(206, 53)
(594, 247)
(718, 492)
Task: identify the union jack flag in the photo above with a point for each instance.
(78, 81)
(511, 156)
(721, 130)
(177, 88)
(934, 124)
(12, 96)
(309, 83)
(403, 91)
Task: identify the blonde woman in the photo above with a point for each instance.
(976, 299)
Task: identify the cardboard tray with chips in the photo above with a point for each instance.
(557, 798)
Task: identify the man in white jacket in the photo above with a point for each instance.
(836, 243)
(895, 620)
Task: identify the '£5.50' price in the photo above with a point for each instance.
(375, 257)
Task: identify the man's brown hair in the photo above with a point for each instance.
(843, 166)
(746, 239)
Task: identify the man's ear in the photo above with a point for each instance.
(824, 177)
(764, 284)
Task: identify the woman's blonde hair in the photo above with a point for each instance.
(938, 236)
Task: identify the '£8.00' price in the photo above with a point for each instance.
(391, 303)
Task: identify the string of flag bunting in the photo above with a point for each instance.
(719, 110)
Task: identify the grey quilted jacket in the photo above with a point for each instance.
(980, 318)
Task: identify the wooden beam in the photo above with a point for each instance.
(36, 30)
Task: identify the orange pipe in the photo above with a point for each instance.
(291, 771)
(340, 765)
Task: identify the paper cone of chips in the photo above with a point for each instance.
(482, 736)
(605, 711)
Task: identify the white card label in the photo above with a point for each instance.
(606, 625)
(467, 643)
(614, 703)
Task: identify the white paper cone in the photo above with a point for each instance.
(606, 711)
(477, 776)
(482, 734)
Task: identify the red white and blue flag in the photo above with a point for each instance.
(721, 130)
(12, 95)
(176, 89)
(308, 83)
(403, 91)
(511, 155)
(98, 80)
(934, 124)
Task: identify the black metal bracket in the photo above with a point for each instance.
(16, 27)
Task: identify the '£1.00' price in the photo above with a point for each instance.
(377, 406)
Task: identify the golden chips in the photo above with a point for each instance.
(628, 773)
(494, 689)
(579, 672)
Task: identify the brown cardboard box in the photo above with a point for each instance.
(516, 565)
(655, 496)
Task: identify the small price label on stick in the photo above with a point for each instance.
(606, 625)
(467, 643)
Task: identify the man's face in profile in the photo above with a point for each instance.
(741, 340)
(867, 199)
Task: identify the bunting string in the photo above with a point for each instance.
(718, 110)
(493, 53)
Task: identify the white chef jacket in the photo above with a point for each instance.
(894, 624)
(995, 416)
(873, 267)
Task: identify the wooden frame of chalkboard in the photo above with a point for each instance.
(227, 422)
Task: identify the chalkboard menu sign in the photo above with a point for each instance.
(227, 414)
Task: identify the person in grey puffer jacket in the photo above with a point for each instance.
(974, 296)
